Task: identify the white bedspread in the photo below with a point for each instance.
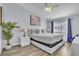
(47, 38)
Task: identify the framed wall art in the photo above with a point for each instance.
(35, 20)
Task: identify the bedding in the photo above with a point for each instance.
(47, 38)
(48, 45)
(47, 42)
(48, 49)
(76, 40)
(75, 47)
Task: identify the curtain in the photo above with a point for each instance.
(69, 36)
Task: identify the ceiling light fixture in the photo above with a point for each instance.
(48, 7)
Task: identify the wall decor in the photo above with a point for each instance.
(35, 20)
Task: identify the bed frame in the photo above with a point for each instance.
(50, 48)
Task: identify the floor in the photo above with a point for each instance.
(32, 50)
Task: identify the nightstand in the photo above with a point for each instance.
(24, 41)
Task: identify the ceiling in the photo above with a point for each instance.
(59, 9)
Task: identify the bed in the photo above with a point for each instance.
(75, 47)
(47, 42)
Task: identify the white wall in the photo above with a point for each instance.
(16, 13)
(48, 25)
(65, 28)
(57, 26)
(60, 26)
(75, 25)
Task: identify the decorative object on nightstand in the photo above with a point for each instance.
(24, 39)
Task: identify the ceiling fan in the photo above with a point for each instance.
(49, 7)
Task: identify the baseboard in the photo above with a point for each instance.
(16, 44)
(12, 45)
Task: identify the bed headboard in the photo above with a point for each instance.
(36, 31)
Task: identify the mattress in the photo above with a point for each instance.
(48, 45)
(47, 38)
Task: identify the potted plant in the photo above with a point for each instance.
(7, 32)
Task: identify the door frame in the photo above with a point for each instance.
(0, 30)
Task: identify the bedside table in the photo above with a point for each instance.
(24, 41)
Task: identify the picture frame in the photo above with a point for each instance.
(35, 20)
